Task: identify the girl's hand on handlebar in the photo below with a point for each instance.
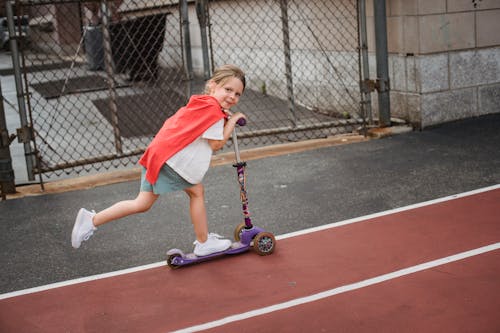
(240, 118)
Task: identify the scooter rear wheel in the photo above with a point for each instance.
(170, 259)
(264, 243)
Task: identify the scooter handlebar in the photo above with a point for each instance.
(242, 122)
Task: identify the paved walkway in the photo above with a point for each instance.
(286, 193)
(423, 268)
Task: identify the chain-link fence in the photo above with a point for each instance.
(101, 79)
(302, 61)
(102, 76)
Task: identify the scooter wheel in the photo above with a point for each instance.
(264, 243)
(170, 259)
(237, 231)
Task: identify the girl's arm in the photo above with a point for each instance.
(228, 131)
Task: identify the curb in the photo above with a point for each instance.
(119, 176)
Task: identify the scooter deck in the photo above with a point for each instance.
(178, 258)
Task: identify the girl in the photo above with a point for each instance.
(178, 158)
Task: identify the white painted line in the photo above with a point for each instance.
(339, 290)
(387, 212)
(288, 235)
(81, 280)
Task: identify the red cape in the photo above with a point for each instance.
(178, 131)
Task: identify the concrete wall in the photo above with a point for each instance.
(444, 58)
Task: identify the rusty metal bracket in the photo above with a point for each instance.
(368, 86)
(25, 134)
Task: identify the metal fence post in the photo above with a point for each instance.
(201, 11)
(25, 129)
(7, 184)
(108, 61)
(288, 58)
(187, 44)
(366, 106)
(382, 63)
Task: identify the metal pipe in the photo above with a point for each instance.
(366, 105)
(288, 58)
(187, 44)
(108, 62)
(384, 106)
(209, 25)
(201, 10)
(236, 147)
(7, 184)
(87, 161)
(300, 127)
(242, 135)
(28, 150)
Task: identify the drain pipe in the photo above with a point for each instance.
(364, 73)
(379, 12)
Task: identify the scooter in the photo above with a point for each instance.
(246, 235)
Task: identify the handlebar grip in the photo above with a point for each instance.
(242, 122)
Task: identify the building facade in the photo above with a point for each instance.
(444, 58)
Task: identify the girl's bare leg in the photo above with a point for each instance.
(198, 211)
(142, 203)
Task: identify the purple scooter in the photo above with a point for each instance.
(245, 234)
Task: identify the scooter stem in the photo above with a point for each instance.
(240, 169)
(236, 148)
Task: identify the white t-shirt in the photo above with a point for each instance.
(193, 161)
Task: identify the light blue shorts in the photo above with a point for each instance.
(168, 181)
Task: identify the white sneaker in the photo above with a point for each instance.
(83, 228)
(215, 243)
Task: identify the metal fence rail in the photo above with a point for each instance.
(102, 76)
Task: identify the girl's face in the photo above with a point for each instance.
(228, 93)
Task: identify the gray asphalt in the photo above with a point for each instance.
(286, 193)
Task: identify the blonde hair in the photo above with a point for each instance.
(224, 73)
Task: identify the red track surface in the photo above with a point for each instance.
(461, 296)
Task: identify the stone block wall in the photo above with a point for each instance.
(444, 58)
